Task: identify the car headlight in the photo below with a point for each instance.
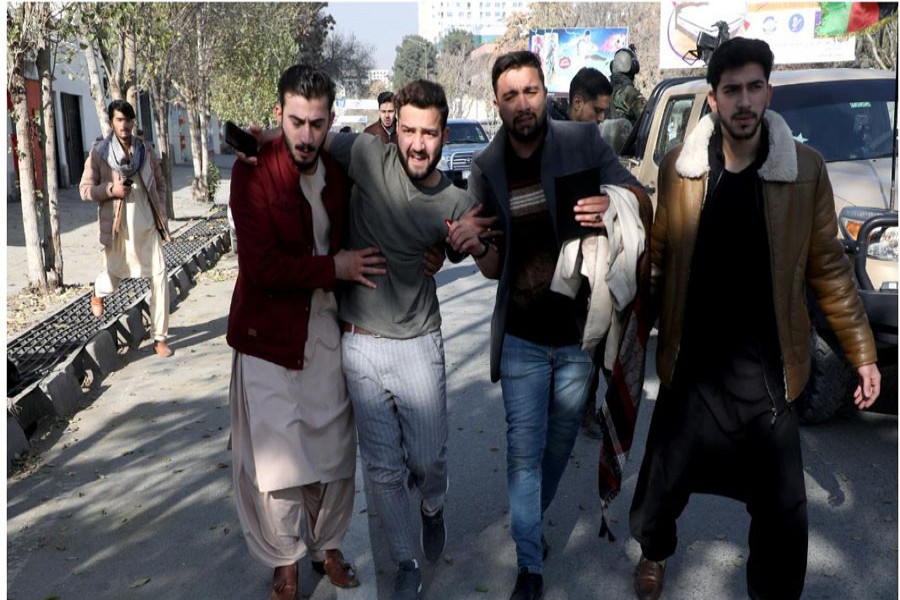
(882, 242)
(444, 163)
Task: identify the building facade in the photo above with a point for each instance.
(485, 19)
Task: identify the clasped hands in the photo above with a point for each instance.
(471, 232)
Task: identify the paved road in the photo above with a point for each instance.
(132, 497)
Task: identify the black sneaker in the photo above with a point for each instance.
(529, 586)
(434, 534)
(407, 581)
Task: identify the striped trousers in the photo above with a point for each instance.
(399, 395)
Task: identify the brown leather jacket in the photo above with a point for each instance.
(96, 183)
(378, 130)
(805, 251)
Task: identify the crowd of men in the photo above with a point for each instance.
(336, 328)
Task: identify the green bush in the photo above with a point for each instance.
(212, 181)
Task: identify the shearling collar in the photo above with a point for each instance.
(781, 165)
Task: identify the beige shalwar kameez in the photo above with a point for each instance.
(294, 437)
(136, 251)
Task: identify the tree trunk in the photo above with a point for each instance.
(36, 276)
(198, 186)
(53, 260)
(161, 119)
(203, 113)
(114, 66)
(97, 93)
(129, 70)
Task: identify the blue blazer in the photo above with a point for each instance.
(569, 147)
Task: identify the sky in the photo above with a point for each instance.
(379, 24)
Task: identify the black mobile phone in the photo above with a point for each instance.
(239, 139)
(128, 182)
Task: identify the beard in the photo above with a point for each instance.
(423, 173)
(526, 132)
(304, 166)
(741, 134)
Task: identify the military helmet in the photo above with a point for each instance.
(625, 61)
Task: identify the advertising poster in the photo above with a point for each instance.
(788, 27)
(564, 51)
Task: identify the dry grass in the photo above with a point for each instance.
(27, 307)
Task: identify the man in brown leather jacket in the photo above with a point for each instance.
(386, 125)
(744, 225)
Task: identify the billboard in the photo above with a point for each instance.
(788, 28)
(564, 51)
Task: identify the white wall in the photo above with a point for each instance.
(72, 78)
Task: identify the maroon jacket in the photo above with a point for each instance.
(377, 129)
(277, 271)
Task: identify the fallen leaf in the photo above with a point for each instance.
(139, 582)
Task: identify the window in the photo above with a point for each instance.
(466, 133)
(673, 125)
(842, 120)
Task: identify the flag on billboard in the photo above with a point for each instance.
(845, 18)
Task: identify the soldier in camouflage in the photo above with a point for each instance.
(627, 101)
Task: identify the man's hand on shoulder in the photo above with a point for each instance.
(263, 137)
(354, 265)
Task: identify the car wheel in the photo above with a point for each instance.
(829, 391)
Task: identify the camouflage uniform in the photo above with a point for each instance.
(627, 102)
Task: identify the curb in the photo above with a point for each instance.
(60, 392)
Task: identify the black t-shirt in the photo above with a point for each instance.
(535, 313)
(730, 319)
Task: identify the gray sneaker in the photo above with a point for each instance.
(408, 581)
(434, 534)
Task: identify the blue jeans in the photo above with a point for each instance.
(544, 391)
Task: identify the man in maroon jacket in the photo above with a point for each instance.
(293, 434)
(386, 125)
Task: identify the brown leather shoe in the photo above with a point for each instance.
(340, 572)
(648, 579)
(284, 583)
(97, 306)
(162, 349)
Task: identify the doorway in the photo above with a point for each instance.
(74, 141)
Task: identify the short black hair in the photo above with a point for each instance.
(385, 97)
(515, 60)
(303, 80)
(422, 93)
(123, 107)
(736, 53)
(589, 83)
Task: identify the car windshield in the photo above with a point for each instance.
(843, 120)
(466, 133)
